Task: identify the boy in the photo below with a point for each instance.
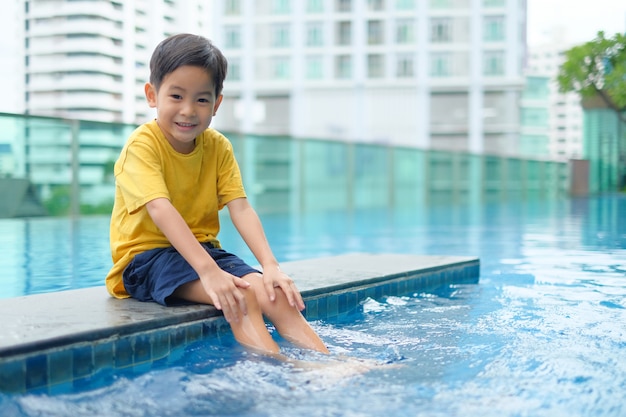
(172, 177)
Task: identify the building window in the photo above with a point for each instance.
(534, 117)
(494, 3)
(493, 29)
(440, 65)
(375, 5)
(493, 63)
(234, 70)
(440, 4)
(405, 4)
(314, 68)
(375, 32)
(343, 5)
(281, 68)
(405, 66)
(232, 37)
(281, 6)
(440, 30)
(343, 67)
(314, 34)
(232, 7)
(344, 33)
(315, 6)
(375, 66)
(280, 36)
(405, 31)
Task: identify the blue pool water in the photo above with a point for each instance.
(542, 334)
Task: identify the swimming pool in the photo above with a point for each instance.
(543, 333)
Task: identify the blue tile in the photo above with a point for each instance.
(142, 348)
(332, 306)
(342, 302)
(178, 337)
(83, 361)
(160, 342)
(311, 310)
(103, 355)
(353, 301)
(60, 366)
(13, 376)
(37, 371)
(322, 307)
(123, 353)
(193, 332)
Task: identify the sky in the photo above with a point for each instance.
(580, 19)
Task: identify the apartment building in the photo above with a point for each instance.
(535, 118)
(88, 59)
(565, 113)
(86, 62)
(442, 74)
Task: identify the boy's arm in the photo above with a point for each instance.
(219, 285)
(249, 226)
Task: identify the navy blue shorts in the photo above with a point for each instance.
(155, 274)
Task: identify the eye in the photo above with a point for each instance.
(204, 100)
(176, 96)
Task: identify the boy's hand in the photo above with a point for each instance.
(273, 277)
(223, 289)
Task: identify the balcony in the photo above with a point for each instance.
(102, 64)
(45, 10)
(103, 28)
(55, 46)
(77, 101)
(50, 83)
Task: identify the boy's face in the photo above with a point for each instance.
(185, 105)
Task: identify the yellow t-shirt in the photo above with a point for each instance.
(198, 184)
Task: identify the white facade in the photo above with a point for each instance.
(428, 74)
(565, 111)
(89, 59)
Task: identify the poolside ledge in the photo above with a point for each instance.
(44, 334)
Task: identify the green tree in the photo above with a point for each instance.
(597, 68)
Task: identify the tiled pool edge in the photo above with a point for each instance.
(64, 361)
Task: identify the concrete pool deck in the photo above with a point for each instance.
(57, 338)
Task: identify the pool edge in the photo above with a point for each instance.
(130, 333)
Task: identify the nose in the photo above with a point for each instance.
(188, 108)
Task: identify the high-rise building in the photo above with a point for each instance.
(89, 59)
(565, 110)
(442, 74)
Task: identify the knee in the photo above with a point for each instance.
(252, 300)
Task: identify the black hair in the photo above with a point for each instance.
(187, 49)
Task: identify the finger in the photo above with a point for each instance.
(241, 302)
(298, 302)
(269, 288)
(290, 291)
(216, 301)
(241, 283)
(233, 308)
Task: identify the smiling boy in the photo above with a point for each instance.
(172, 177)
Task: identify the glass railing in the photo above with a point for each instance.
(69, 167)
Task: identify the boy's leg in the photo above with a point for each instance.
(250, 331)
(288, 320)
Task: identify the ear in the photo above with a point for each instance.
(217, 104)
(151, 95)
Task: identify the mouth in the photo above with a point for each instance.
(185, 125)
